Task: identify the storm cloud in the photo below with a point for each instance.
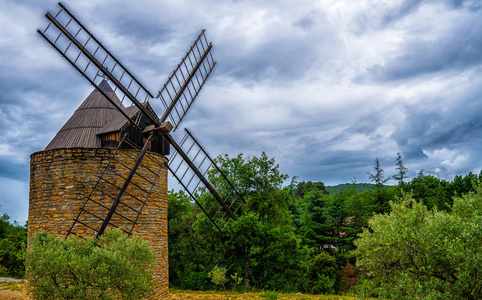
(323, 87)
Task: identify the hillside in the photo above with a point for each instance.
(360, 187)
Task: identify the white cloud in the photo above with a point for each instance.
(448, 162)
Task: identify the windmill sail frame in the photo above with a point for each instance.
(224, 193)
(93, 61)
(175, 91)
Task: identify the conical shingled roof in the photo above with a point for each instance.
(93, 114)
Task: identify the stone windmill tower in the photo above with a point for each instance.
(107, 167)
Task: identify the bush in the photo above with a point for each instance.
(13, 240)
(349, 277)
(111, 267)
(426, 254)
(3, 271)
(322, 273)
(272, 295)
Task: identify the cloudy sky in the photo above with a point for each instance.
(323, 86)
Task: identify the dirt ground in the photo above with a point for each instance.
(174, 294)
(11, 290)
(14, 290)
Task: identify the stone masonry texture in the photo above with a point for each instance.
(61, 181)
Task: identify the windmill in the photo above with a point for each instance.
(127, 147)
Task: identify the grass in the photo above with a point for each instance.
(201, 295)
(11, 286)
(272, 295)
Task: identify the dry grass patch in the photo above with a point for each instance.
(14, 291)
(11, 286)
(176, 294)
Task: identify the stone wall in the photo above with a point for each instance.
(62, 179)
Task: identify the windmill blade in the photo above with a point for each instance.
(116, 200)
(125, 185)
(88, 56)
(190, 164)
(182, 87)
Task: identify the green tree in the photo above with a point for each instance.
(307, 186)
(463, 185)
(401, 170)
(189, 256)
(379, 180)
(218, 276)
(300, 191)
(431, 191)
(315, 226)
(262, 244)
(13, 240)
(426, 254)
(111, 267)
(322, 273)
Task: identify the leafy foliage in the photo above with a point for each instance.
(218, 275)
(322, 273)
(262, 245)
(301, 237)
(13, 240)
(112, 267)
(270, 294)
(287, 236)
(349, 277)
(356, 187)
(304, 187)
(414, 252)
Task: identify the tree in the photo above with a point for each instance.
(322, 273)
(189, 253)
(463, 185)
(402, 170)
(315, 227)
(262, 244)
(306, 187)
(426, 254)
(377, 178)
(431, 191)
(218, 276)
(13, 240)
(111, 267)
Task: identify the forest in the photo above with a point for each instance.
(420, 237)
(300, 237)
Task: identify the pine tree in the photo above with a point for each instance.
(402, 170)
(377, 178)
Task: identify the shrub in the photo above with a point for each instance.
(111, 267)
(349, 277)
(426, 254)
(272, 295)
(13, 240)
(322, 273)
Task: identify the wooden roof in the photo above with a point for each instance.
(118, 120)
(91, 116)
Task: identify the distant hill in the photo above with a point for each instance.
(360, 187)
